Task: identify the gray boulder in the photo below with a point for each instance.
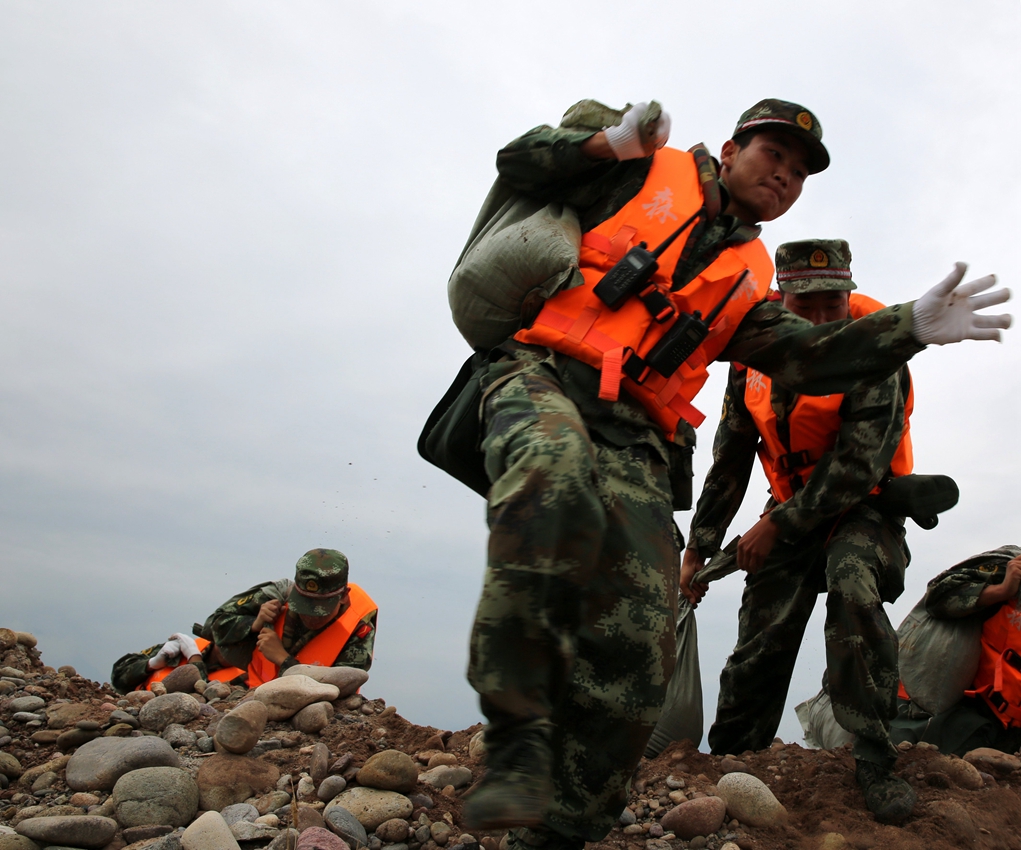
(159, 713)
(97, 765)
(163, 795)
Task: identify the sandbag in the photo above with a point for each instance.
(938, 658)
(682, 710)
(521, 252)
(819, 724)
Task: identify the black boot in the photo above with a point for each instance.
(920, 497)
(888, 797)
(516, 789)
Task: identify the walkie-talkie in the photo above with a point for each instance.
(686, 335)
(634, 270)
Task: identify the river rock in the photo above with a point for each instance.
(26, 704)
(993, 761)
(65, 714)
(963, 773)
(57, 765)
(749, 800)
(164, 795)
(247, 831)
(9, 765)
(390, 770)
(393, 830)
(71, 739)
(97, 765)
(286, 696)
(372, 806)
(140, 697)
(182, 679)
(272, 801)
(239, 812)
(286, 840)
(346, 679)
(7, 640)
(17, 842)
(342, 822)
(177, 736)
(216, 690)
(26, 639)
(477, 745)
(85, 831)
(317, 838)
(313, 718)
(444, 775)
(331, 786)
(239, 730)
(209, 832)
(702, 816)
(308, 818)
(145, 833)
(227, 779)
(160, 712)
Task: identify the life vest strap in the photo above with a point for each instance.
(791, 462)
(614, 247)
(609, 375)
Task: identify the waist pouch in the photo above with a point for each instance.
(452, 436)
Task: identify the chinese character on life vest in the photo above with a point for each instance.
(662, 205)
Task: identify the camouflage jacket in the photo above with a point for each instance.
(955, 592)
(230, 627)
(548, 163)
(872, 423)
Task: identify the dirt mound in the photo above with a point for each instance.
(825, 807)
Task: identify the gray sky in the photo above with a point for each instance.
(225, 235)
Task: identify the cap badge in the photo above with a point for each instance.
(804, 120)
(312, 586)
(819, 258)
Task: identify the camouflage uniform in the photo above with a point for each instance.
(830, 539)
(576, 619)
(970, 724)
(320, 575)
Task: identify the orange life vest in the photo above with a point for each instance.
(577, 323)
(814, 423)
(321, 651)
(998, 680)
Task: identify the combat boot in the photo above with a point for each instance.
(516, 788)
(921, 497)
(888, 797)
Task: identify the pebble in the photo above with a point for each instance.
(145, 833)
(45, 736)
(27, 717)
(45, 780)
(346, 679)
(10, 766)
(440, 777)
(272, 801)
(695, 817)
(177, 736)
(306, 790)
(209, 832)
(239, 730)
(160, 712)
(993, 761)
(216, 690)
(313, 718)
(227, 779)
(124, 717)
(477, 744)
(832, 841)
(65, 714)
(749, 800)
(346, 825)
(627, 817)
(317, 838)
(286, 840)
(440, 759)
(84, 799)
(390, 770)
(393, 830)
(119, 730)
(331, 786)
(182, 679)
(440, 833)
(98, 764)
(286, 696)
(319, 765)
(85, 831)
(29, 704)
(732, 765)
(140, 697)
(74, 738)
(163, 795)
(309, 818)
(249, 831)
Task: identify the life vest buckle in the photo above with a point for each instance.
(792, 461)
(659, 306)
(634, 366)
(1011, 658)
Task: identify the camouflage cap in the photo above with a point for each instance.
(320, 576)
(792, 118)
(814, 265)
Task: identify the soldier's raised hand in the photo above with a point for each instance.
(946, 313)
(268, 612)
(692, 590)
(643, 130)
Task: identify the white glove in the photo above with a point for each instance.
(625, 139)
(946, 313)
(178, 645)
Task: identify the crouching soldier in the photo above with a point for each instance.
(318, 618)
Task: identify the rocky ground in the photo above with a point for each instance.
(308, 764)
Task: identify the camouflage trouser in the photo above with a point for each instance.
(576, 619)
(860, 566)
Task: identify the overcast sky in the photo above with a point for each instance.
(225, 235)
